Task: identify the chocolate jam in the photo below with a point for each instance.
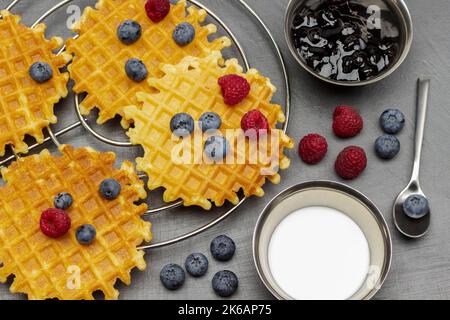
(346, 40)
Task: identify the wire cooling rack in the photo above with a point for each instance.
(83, 122)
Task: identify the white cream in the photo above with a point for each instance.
(319, 253)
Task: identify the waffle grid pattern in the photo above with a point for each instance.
(41, 265)
(99, 56)
(192, 87)
(26, 107)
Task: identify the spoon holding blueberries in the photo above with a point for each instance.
(411, 209)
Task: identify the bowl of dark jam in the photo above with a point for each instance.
(349, 42)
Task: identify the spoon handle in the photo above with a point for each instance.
(423, 90)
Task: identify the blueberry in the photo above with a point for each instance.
(416, 206)
(129, 31)
(110, 189)
(217, 148)
(86, 234)
(184, 34)
(210, 121)
(366, 72)
(196, 264)
(225, 283)
(387, 147)
(350, 42)
(63, 201)
(40, 72)
(182, 124)
(136, 70)
(222, 248)
(314, 35)
(327, 18)
(347, 64)
(172, 276)
(392, 121)
(359, 59)
(350, 28)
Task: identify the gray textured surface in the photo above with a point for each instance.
(421, 268)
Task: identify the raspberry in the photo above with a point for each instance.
(312, 148)
(342, 109)
(157, 9)
(347, 122)
(234, 88)
(54, 223)
(254, 120)
(350, 163)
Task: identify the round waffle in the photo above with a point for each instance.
(100, 57)
(62, 268)
(192, 87)
(26, 107)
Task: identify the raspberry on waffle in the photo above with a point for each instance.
(192, 87)
(63, 268)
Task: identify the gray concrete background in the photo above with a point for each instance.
(421, 268)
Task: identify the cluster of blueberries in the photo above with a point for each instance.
(224, 283)
(392, 122)
(130, 31)
(86, 233)
(387, 146)
(216, 146)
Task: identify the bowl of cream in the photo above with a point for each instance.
(322, 240)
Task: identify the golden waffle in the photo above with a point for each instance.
(192, 87)
(98, 67)
(26, 107)
(49, 268)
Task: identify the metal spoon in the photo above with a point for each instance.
(415, 228)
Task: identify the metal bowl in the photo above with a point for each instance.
(334, 195)
(399, 9)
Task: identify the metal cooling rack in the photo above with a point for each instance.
(53, 136)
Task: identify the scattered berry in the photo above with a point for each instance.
(347, 123)
(196, 264)
(217, 148)
(254, 123)
(312, 148)
(210, 121)
(392, 121)
(234, 88)
(182, 124)
(136, 70)
(54, 223)
(342, 109)
(157, 9)
(350, 163)
(63, 201)
(222, 248)
(183, 34)
(416, 206)
(225, 283)
(110, 189)
(387, 147)
(40, 72)
(172, 276)
(86, 234)
(129, 31)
